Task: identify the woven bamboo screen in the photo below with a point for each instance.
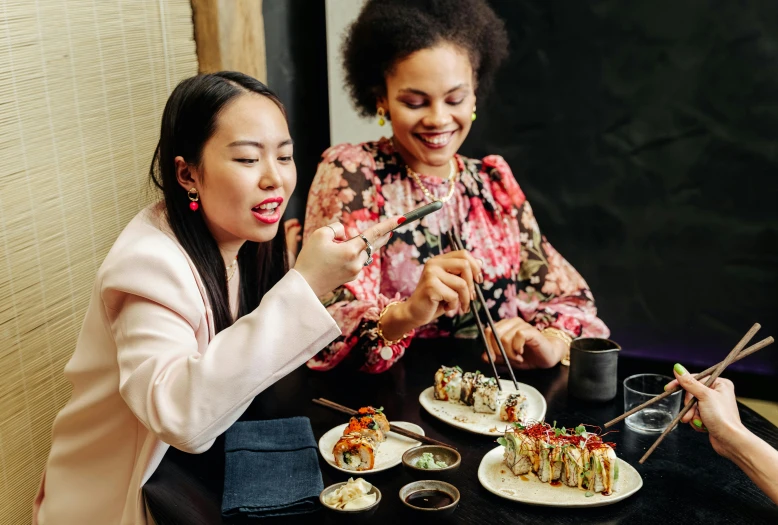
(82, 88)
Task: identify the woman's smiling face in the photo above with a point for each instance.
(430, 97)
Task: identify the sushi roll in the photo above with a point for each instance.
(520, 453)
(485, 396)
(604, 466)
(469, 380)
(514, 408)
(551, 459)
(354, 452)
(556, 458)
(448, 383)
(378, 416)
(365, 426)
(575, 458)
(572, 473)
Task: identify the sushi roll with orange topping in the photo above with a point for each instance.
(365, 426)
(378, 416)
(354, 452)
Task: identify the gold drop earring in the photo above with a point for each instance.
(381, 114)
(472, 117)
(194, 196)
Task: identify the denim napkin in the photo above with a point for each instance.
(271, 469)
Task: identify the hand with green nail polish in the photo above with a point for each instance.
(679, 369)
(717, 414)
(716, 409)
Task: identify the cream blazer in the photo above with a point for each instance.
(149, 373)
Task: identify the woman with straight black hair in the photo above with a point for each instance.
(194, 310)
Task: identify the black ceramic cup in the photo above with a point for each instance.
(593, 369)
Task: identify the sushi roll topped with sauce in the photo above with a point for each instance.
(485, 395)
(354, 452)
(356, 449)
(514, 408)
(469, 382)
(365, 426)
(377, 415)
(576, 457)
(448, 383)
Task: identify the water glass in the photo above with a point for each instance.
(654, 419)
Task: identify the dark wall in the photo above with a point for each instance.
(646, 136)
(296, 47)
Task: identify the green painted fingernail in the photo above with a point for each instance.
(697, 423)
(679, 369)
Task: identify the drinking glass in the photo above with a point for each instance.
(654, 419)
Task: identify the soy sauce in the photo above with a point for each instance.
(429, 499)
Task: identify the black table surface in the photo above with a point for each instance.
(684, 481)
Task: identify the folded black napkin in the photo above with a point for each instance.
(271, 469)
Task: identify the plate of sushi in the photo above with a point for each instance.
(541, 464)
(365, 445)
(471, 401)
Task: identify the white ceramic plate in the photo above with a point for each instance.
(466, 418)
(497, 478)
(389, 453)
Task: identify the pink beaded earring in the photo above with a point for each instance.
(194, 197)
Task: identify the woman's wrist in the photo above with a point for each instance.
(740, 448)
(395, 322)
(560, 342)
(562, 350)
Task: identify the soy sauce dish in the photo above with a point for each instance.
(431, 497)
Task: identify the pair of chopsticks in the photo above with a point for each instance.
(397, 430)
(480, 303)
(715, 371)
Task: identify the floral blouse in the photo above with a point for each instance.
(524, 275)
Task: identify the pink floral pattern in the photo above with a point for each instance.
(525, 276)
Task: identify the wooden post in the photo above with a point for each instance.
(230, 35)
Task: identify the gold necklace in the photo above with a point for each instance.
(232, 268)
(453, 172)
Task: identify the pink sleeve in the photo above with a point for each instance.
(551, 292)
(346, 190)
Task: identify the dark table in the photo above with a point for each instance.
(684, 481)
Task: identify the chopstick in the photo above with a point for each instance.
(715, 375)
(481, 328)
(456, 241)
(745, 353)
(397, 430)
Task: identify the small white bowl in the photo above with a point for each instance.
(351, 515)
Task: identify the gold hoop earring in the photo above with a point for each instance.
(472, 117)
(381, 112)
(194, 196)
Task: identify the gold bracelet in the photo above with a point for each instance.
(562, 336)
(387, 342)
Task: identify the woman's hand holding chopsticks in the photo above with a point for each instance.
(525, 345)
(446, 286)
(716, 412)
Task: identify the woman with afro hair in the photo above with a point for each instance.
(420, 66)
